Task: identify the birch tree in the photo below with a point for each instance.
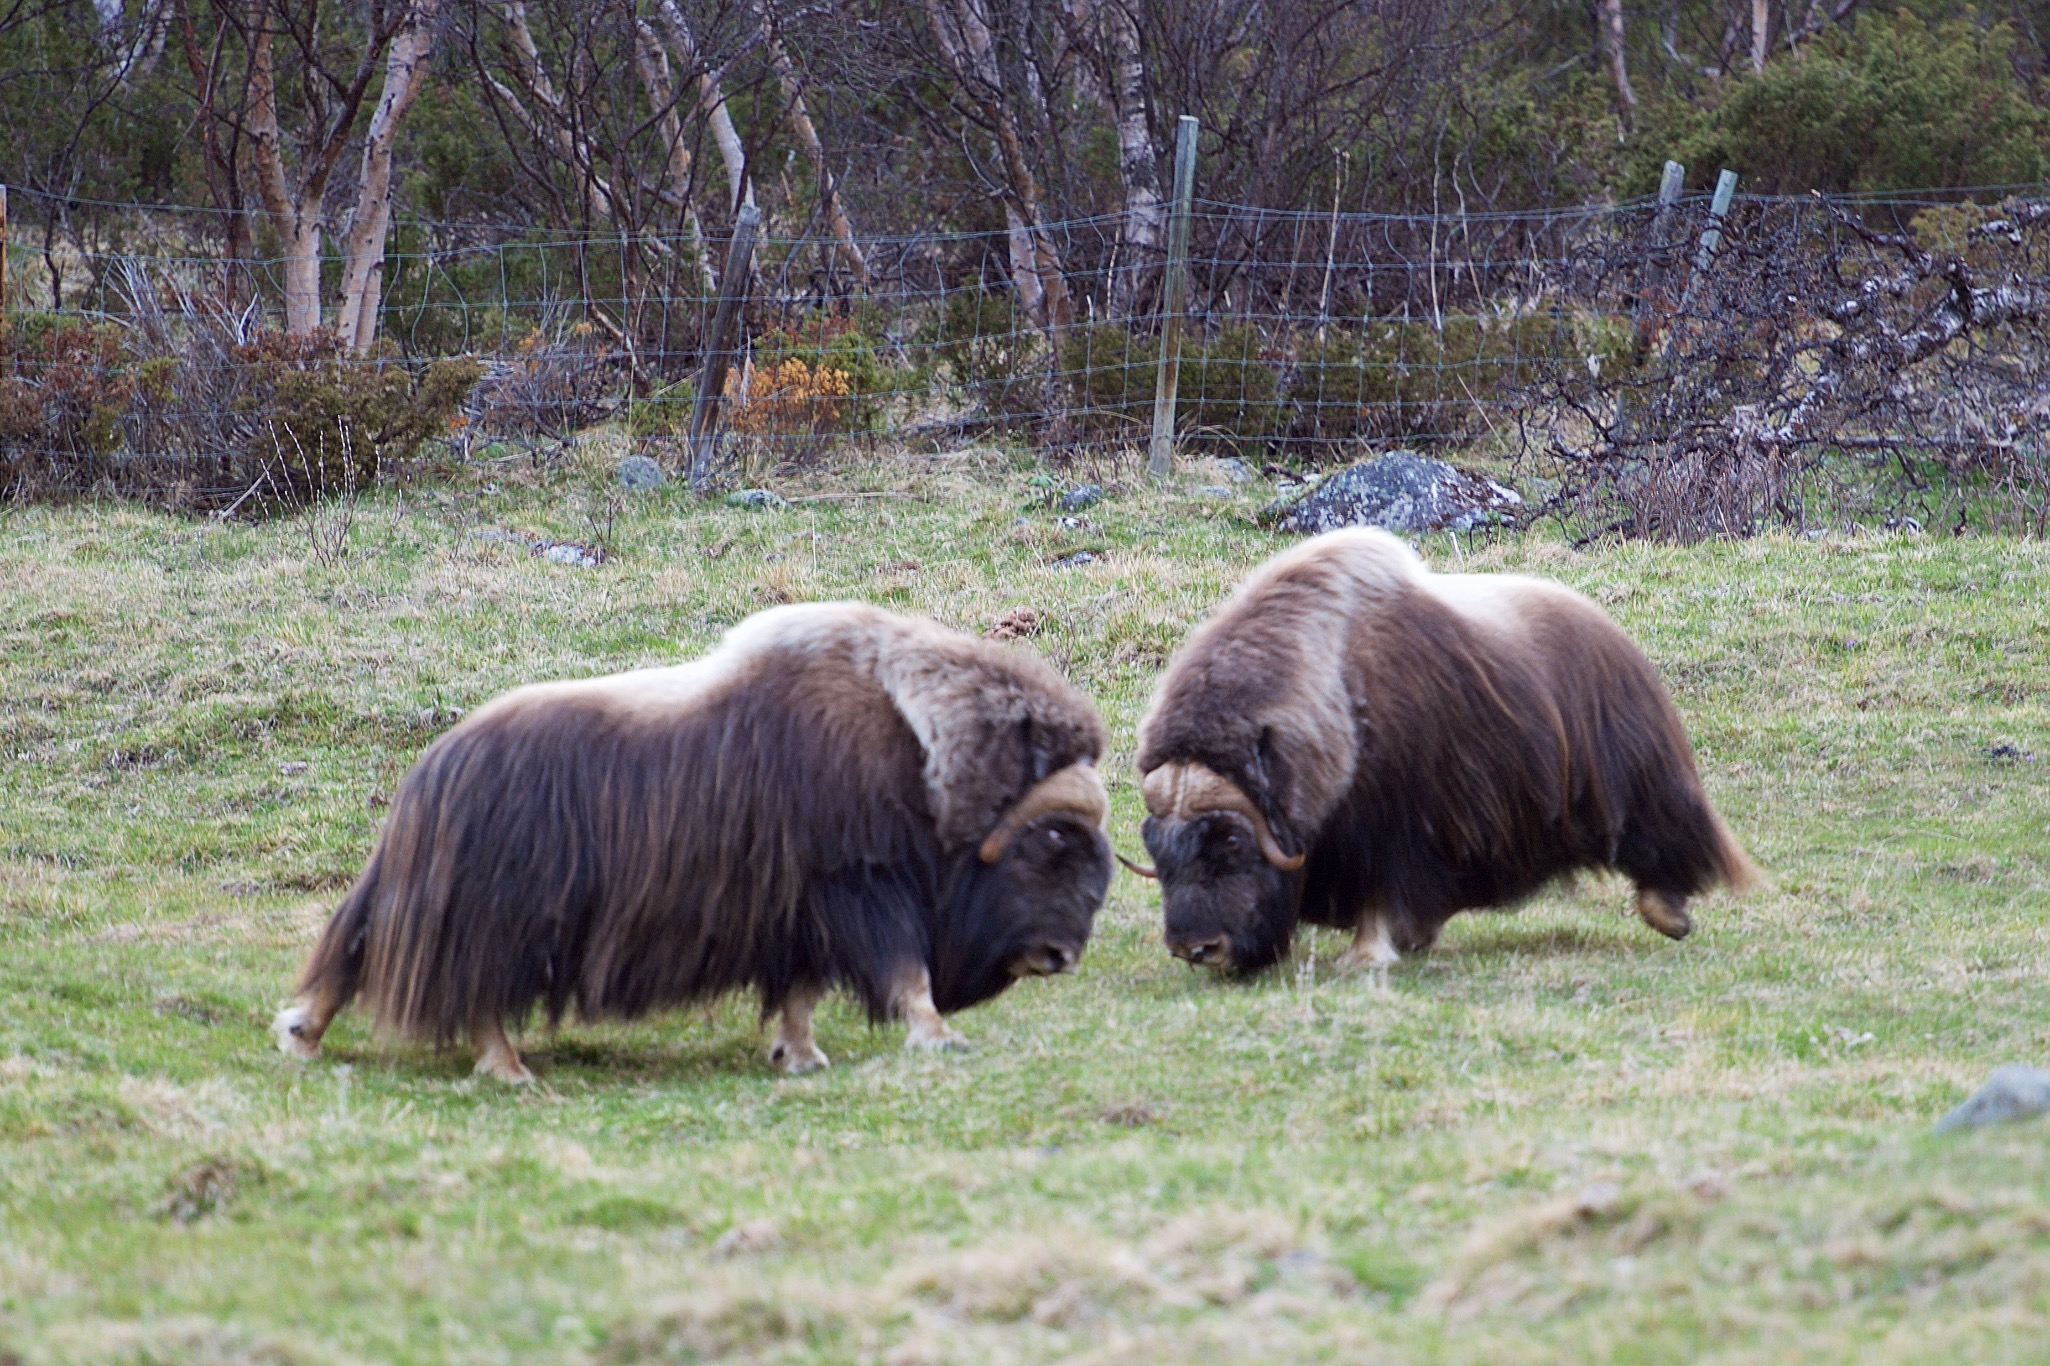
(406, 68)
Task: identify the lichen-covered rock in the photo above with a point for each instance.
(641, 472)
(1402, 492)
(1080, 497)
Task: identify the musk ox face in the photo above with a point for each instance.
(1228, 906)
(1027, 912)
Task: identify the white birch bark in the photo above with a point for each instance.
(406, 68)
(725, 136)
(297, 215)
(808, 138)
(1609, 24)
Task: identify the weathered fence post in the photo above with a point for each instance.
(3, 255)
(704, 409)
(1643, 315)
(1712, 235)
(1174, 293)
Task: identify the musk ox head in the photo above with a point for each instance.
(1228, 886)
(1029, 894)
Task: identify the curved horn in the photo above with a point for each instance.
(1182, 791)
(1076, 788)
(1138, 869)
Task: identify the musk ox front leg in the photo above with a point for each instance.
(496, 1057)
(925, 1030)
(1665, 912)
(1373, 947)
(795, 1050)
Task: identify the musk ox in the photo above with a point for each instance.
(1355, 741)
(834, 797)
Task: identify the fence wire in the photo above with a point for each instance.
(1653, 383)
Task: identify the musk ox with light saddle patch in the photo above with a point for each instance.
(1355, 741)
(835, 797)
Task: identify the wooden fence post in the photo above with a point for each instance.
(1174, 294)
(704, 410)
(3, 256)
(1643, 315)
(1712, 235)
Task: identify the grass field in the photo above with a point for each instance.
(1559, 1137)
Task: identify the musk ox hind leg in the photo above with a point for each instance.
(1665, 912)
(925, 1031)
(332, 975)
(496, 1057)
(795, 1050)
(301, 1022)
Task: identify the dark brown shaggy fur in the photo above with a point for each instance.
(1435, 743)
(797, 811)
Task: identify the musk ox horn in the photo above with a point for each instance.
(1076, 788)
(1182, 791)
(1139, 869)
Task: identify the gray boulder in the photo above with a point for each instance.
(1080, 497)
(2012, 1092)
(640, 472)
(755, 498)
(1402, 492)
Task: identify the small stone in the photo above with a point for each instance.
(569, 552)
(2013, 1092)
(1080, 497)
(1234, 470)
(640, 472)
(755, 498)
(1076, 560)
(293, 768)
(757, 1235)
(1598, 1201)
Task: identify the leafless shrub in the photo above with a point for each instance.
(1816, 368)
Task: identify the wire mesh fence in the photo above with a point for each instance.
(1646, 377)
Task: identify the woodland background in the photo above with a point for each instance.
(1416, 220)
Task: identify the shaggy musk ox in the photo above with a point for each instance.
(1355, 741)
(835, 797)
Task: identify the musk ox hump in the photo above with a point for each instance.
(993, 720)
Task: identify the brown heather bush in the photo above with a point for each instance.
(185, 406)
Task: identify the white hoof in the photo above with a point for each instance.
(936, 1038)
(506, 1068)
(801, 1057)
(288, 1027)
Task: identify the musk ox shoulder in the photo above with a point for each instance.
(835, 797)
(1352, 740)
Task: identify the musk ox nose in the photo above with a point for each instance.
(1208, 953)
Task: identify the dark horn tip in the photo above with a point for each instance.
(1150, 874)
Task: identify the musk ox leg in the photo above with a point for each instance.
(300, 1023)
(795, 1050)
(926, 1031)
(1665, 912)
(1372, 948)
(496, 1057)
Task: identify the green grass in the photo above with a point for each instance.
(1558, 1137)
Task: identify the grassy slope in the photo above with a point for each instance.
(1559, 1136)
